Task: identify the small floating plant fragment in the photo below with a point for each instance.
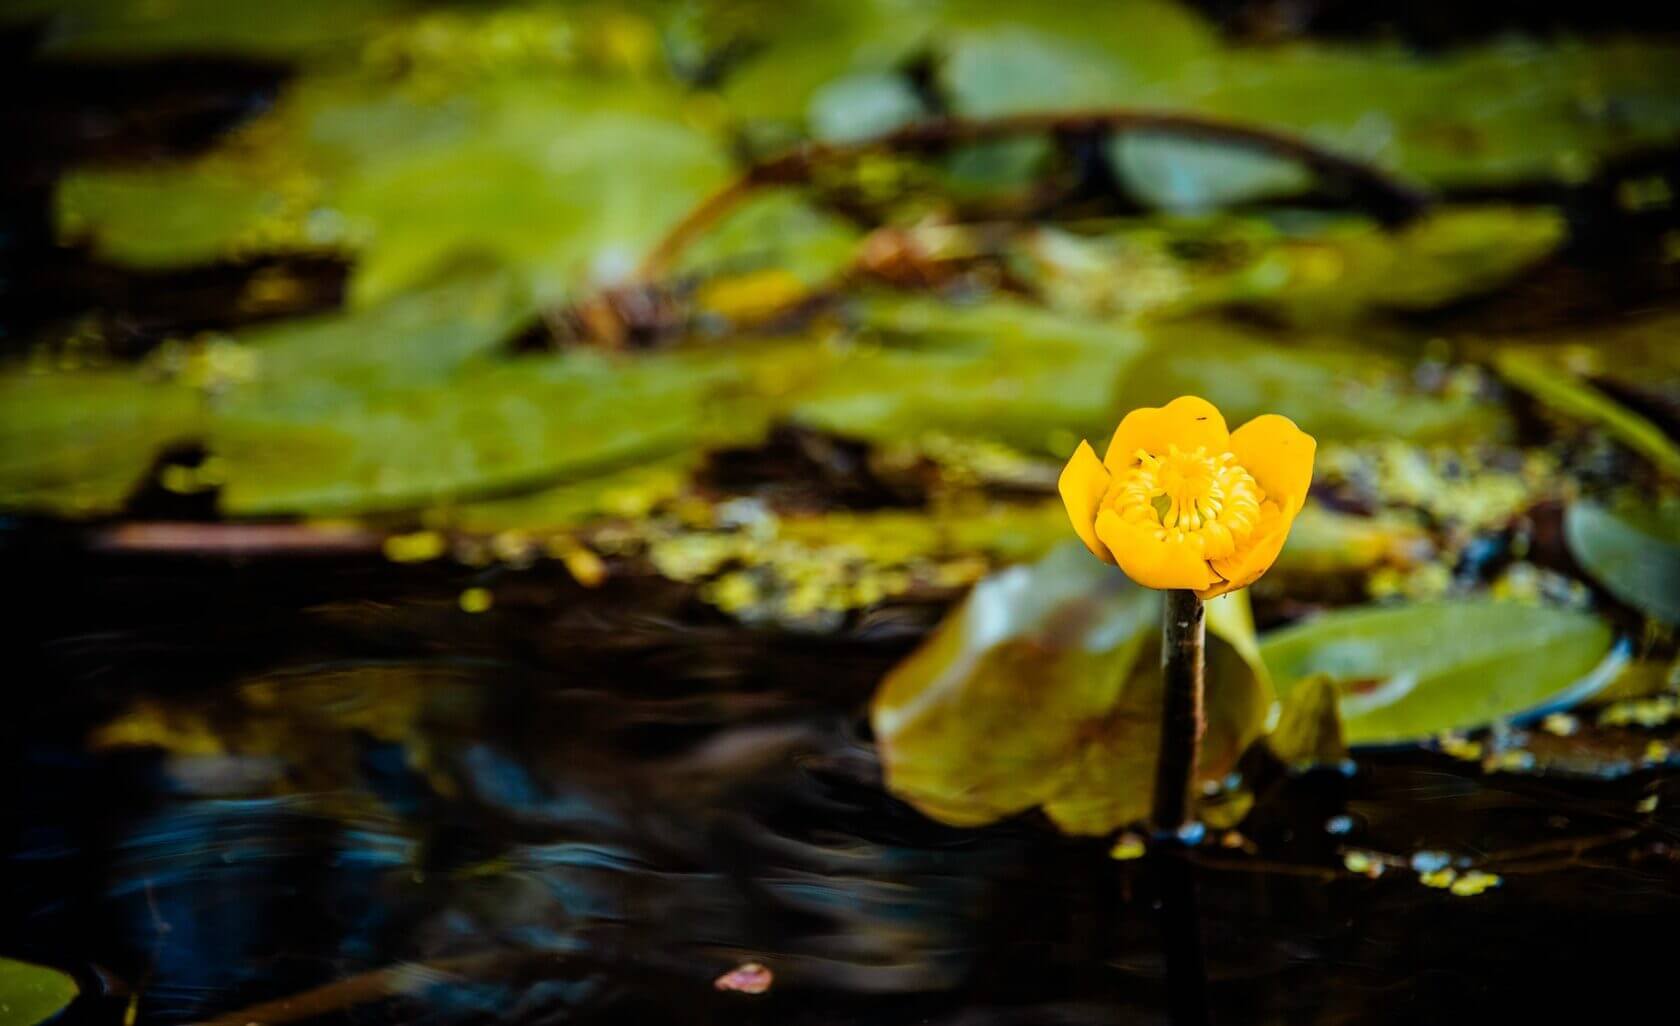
(746, 978)
(1408, 673)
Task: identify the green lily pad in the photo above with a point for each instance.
(1043, 690)
(132, 28)
(418, 338)
(998, 370)
(779, 229)
(492, 430)
(1309, 269)
(566, 179)
(1406, 673)
(78, 444)
(1491, 114)
(164, 218)
(1332, 389)
(31, 994)
(1633, 552)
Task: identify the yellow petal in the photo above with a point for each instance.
(1257, 555)
(1150, 561)
(1279, 455)
(1186, 422)
(1082, 484)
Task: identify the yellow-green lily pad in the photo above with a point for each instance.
(1633, 551)
(1043, 690)
(31, 994)
(1406, 673)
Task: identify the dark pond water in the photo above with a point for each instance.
(587, 811)
(585, 808)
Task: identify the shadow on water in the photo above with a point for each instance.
(385, 809)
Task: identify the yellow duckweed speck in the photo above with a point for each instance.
(418, 547)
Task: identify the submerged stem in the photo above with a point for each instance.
(1183, 630)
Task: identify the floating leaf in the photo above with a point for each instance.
(1195, 175)
(999, 370)
(1408, 672)
(1633, 551)
(129, 28)
(1331, 389)
(566, 191)
(1309, 269)
(775, 229)
(1327, 541)
(1555, 387)
(501, 428)
(1490, 114)
(77, 444)
(1043, 689)
(418, 338)
(567, 179)
(164, 218)
(31, 994)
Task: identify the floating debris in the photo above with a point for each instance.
(746, 978)
(1473, 883)
(420, 547)
(1641, 712)
(1364, 863)
(1129, 846)
(1439, 878)
(1560, 724)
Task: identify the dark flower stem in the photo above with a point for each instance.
(1183, 629)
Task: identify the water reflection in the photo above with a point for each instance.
(547, 818)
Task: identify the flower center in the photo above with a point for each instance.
(1194, 496)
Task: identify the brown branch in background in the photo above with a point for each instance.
(1390, 199)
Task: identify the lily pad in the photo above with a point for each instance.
(1331, 388)
(998, 370)
(1308, 269)
(775, 229)
(1043, 690)
(492, 430)
(1633, 552)
(131, 28)
(78, 444)
(418, 338)
(1406, 673)
(31, 994)
(1497, 113)
(566, 179)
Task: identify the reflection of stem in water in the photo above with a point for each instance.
(1183, 631)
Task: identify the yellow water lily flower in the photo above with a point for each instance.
(1180, 502)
